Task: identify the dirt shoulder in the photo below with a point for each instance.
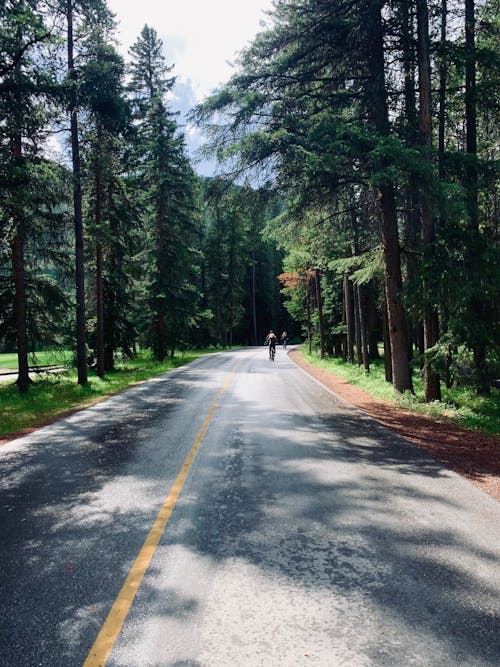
(472, 454)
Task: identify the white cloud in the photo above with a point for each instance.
(201, 37)
(53, 150)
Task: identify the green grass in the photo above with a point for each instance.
(8, 361)
(459, 404)
(57, 394)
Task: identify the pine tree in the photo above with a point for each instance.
(102, 93)
(167, 183)
(80, 15)
(25, 105)
(431, 325)
(310, 99)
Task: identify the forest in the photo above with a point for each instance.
(121, 246)
(356, 204)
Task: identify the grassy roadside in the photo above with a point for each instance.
(57, 394)
(459, 404)
(8, 361)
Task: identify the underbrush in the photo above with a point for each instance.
(53, 395)
(461, 405)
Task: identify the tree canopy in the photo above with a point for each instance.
(356, 204)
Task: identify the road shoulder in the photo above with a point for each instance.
(472, 454)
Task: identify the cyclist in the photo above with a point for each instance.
(271, 339)
(284, 338)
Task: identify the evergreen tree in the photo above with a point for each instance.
(102, 93)
(315, 100)
(167, 184)
(25, 104)
(80, 16)
(312, 69)
(225, 252)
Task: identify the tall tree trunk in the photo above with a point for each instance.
(443, 76)
(309, 325)
(431, 327)
(110, 291)
(371, 325)
(19, 279)
(319, 303)
(387, 342)
(477, 305)
(401, 373)
(413, 227)
(344, 323)
(470, 112)
(356, 289)
(81, 361)
(348, 310)
(363, 334)
(99, 253)
(357, 324)
(254, 309)
(160, 334)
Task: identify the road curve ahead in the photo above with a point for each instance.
(235, 513)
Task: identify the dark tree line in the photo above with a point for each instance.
(119, 244)
(376, 122)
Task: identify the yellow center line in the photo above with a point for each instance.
(112, 625)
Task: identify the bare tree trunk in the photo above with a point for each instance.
(412, 216)
(355, 288)
(160, 314)
(349, 319)
(362, 328)
(110, 309)
(387, 343)
(319, 303)
(470, 112)
(254, 309)
(19, 281)
(413, 226)
(443, 75)
(431, 327)
(309, 326)
(357, 324)
(19, 278)
(401, 373)
(81, 361)
(344, 323)
(371, 328)
(99, 254)
(477, 305)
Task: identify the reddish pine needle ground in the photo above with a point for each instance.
(472, 454)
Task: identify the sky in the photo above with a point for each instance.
(201, 38)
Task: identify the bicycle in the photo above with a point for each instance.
(272, 352)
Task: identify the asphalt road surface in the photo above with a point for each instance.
(234, 512)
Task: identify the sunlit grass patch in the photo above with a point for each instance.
(374, 383)
(8, 360)
(52, 395)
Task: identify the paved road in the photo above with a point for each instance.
(303, 533)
